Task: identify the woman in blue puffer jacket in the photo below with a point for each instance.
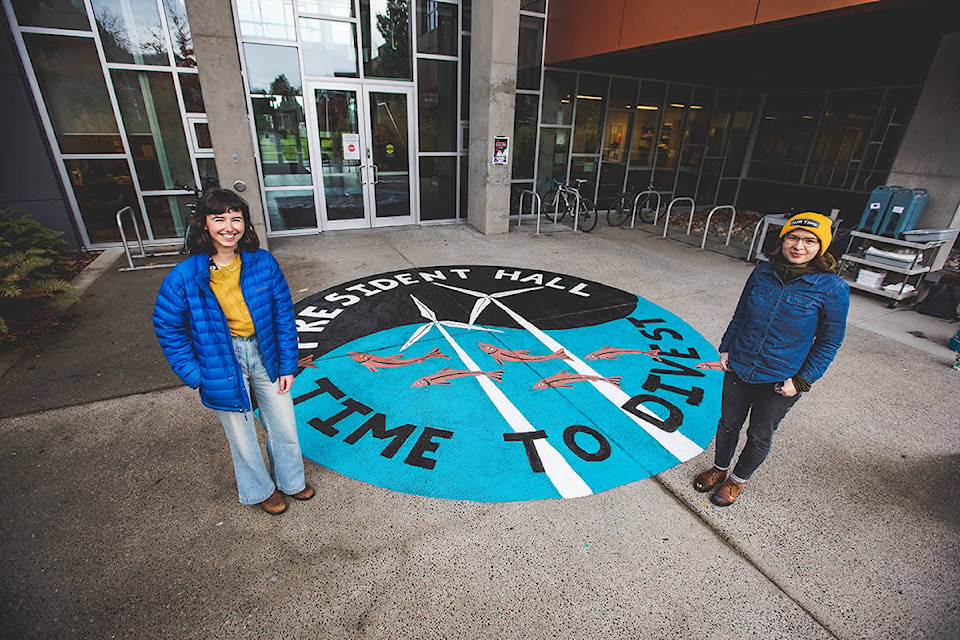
(785, 331)
(225, 322)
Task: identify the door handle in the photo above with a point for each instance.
(376, 174)
(360, 174)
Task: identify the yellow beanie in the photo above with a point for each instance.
(816, 223)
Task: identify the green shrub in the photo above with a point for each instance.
(28, 292)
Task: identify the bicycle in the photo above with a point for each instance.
(192, 209)
(562, 198)
(646, 204)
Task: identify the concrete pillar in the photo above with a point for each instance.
(218, 61)
(929, 156)
(495, 30)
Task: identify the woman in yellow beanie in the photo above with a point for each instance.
(785, 331)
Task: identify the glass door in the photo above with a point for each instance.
(363, 140)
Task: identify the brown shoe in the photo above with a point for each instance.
(709, 479)
(304, 494)
(275, 504)
(727, 494)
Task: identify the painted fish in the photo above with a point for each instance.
(306, 361)
(445, 375)
(504, 355)
(565, 379)
(714, 366)
(611, 353)
(373, 362)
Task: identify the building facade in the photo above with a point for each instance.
(350, 114)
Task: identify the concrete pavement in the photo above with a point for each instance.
(119, 513)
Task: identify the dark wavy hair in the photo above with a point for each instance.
(215, 202)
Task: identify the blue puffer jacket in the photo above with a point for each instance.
(193, 332)
(781, 330)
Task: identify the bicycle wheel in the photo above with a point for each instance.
(645, 208)
(619, 211)
(554, 202)
(588, 216)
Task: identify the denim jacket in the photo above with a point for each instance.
(784, 329)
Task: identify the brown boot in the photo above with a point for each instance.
(709, 479)
(304, 494)
(727, 494)
(275, 504)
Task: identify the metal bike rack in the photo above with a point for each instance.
(656, 215)
(534, 209)
(693, 208)
(576, 206)
(143, 251)
(706, 227)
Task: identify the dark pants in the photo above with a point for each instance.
(766, 408)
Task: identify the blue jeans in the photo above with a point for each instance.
(254, 483)
(766, 407)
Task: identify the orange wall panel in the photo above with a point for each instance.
(578, 28)
(772, 10)
(664, 20)
(581, 28)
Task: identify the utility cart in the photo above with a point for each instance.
(890, 267)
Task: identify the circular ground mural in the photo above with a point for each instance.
(499, 384)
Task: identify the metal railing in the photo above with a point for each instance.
(143, 250)
(706, 227)
(693, 209)
(656, 214)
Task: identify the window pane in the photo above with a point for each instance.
(465, 78)
(208, 173)
(73, 88)
(276, 94)
(56, 14)
(130, 31)
(437, 29)
(438, 188)
(554, 144)
(151, 117)
(168, 215)
(385, 35)
(558, 91)
(623, 93)
(611, 183)
(202, 134)
(699, 115)
(192, 96)
(437, 97)
(540, 6)
(334, 8)
(525, 136)
(329, 48)
(103, 187)
(645, 124)
(266, 19)
(530, 53)
(584, 169)
(615, 140)
(180, 33)
(291, 210)
(591, 98)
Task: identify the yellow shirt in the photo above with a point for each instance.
(225, 282)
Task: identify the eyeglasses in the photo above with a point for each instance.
(807, 242)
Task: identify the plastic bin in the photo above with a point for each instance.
(876, 208)
(896, 219)
(929, 235)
